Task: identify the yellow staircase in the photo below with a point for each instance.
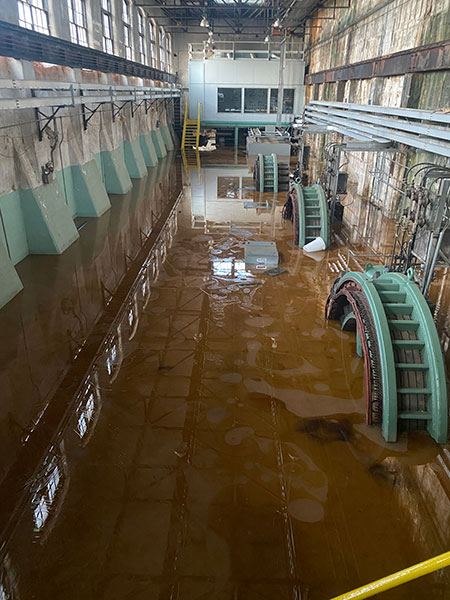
(191, 129)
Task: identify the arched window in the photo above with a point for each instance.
(162, 49)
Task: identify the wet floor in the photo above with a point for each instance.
(219, 448)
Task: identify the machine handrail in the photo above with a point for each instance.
(399, 578)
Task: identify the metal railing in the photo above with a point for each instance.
(399, 578)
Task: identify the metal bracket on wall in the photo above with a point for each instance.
(87, 113)
(43, 120)
(116, 109)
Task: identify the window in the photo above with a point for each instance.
(108, 42)
(162, 49)
(168, 53)
(255, 100)
(77, 21)
(141, 31)
(33, 14)
(229, 100)
(151, 35)
(126, 18)
(288, 101)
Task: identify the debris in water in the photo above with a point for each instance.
(325, 430)
(275, 271)
(181, 450)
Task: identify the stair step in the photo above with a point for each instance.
(415, 415)
(312, 226)
(404, 325)
(425, 391)
(386, 286)
(397, 308)
(412, 366)
(392, 296)
(408, 344)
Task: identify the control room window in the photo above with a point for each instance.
(255, 100)
(126, 18)
(141, 32)
(229, 100)
(33, 14)
(108, 43)
(77, 21)
(288, 100)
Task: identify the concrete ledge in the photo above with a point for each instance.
(10, 282)
(134, 159)
(115, 173)
(48, 221)
(148, 150)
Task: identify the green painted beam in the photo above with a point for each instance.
(148, 150)
(239, 123)
(10, 283)
(114, 170)
(167, 138)
(134, 159)
(48, 220)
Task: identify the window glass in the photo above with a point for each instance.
(288, 100)
(77, 21)
(33, 14)
(229, 100)
(255, 100)
(108, 44)
(126, 18)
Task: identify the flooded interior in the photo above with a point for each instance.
(217, 447)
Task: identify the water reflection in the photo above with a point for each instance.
(218, 447)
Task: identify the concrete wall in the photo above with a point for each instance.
(206, 76)
(366, 30)
(58, 14)
(38, 217)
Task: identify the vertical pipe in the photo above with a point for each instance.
(281, 81)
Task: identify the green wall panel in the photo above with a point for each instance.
(134, 159)
(48, 220)
(115, 173)
(158, 143)
(148, 150)
(12, 229)
(10, 284)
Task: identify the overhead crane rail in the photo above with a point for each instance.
(307, 208)
(396, 336)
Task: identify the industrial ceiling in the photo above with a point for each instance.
(236, 17)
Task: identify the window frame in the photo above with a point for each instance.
(141, 35)
(76, 29)
(259, 112)
(127, 29)
(37, 11)
(240, 100)
(107, 16)
(272, 112)
(152, 37)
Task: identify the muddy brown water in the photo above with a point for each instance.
(228, 455)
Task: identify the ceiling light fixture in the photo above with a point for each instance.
(267, 39)
(204, 22)
(276, 23)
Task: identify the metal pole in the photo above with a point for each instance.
(281, 81)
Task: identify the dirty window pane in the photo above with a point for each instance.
(288, 100)
(228, 99)
(255, 100)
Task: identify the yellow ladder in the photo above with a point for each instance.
(191, 129)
